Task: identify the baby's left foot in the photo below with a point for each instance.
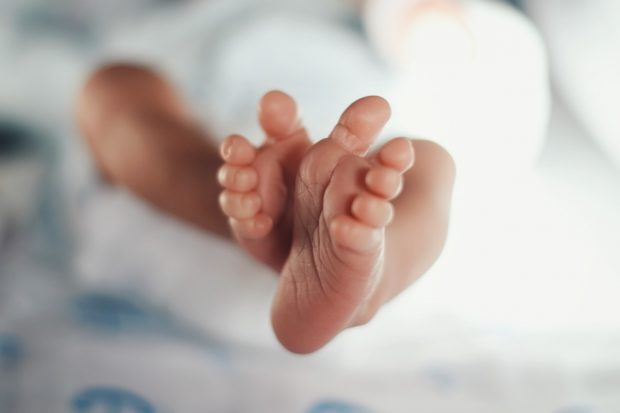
(258, 182)
(341, 208)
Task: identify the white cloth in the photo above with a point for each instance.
(167, 319)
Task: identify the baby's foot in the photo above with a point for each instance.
(259, 182)
(342, 206)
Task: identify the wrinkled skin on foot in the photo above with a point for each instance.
(315, 213)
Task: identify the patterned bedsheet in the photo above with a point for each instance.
(108, 306)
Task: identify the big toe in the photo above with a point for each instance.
(360, 124)
(278, 116)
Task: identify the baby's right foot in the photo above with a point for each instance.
(342, 208)
(259, 182)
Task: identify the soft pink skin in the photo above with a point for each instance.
(346, 231)
(324, 230)
(264, 229)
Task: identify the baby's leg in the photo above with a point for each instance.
(142, 137)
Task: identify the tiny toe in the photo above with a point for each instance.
(349, 233)
(236, 150)
(385, 182)
(372, 211)
(237, 178)
(360, 124)
(254, 228)
(240, 205)
(398, 154)
(278, 116)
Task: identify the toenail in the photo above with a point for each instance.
(348, 140)
(221, 176)
(226, 150)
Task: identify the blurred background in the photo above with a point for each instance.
(106, 305)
